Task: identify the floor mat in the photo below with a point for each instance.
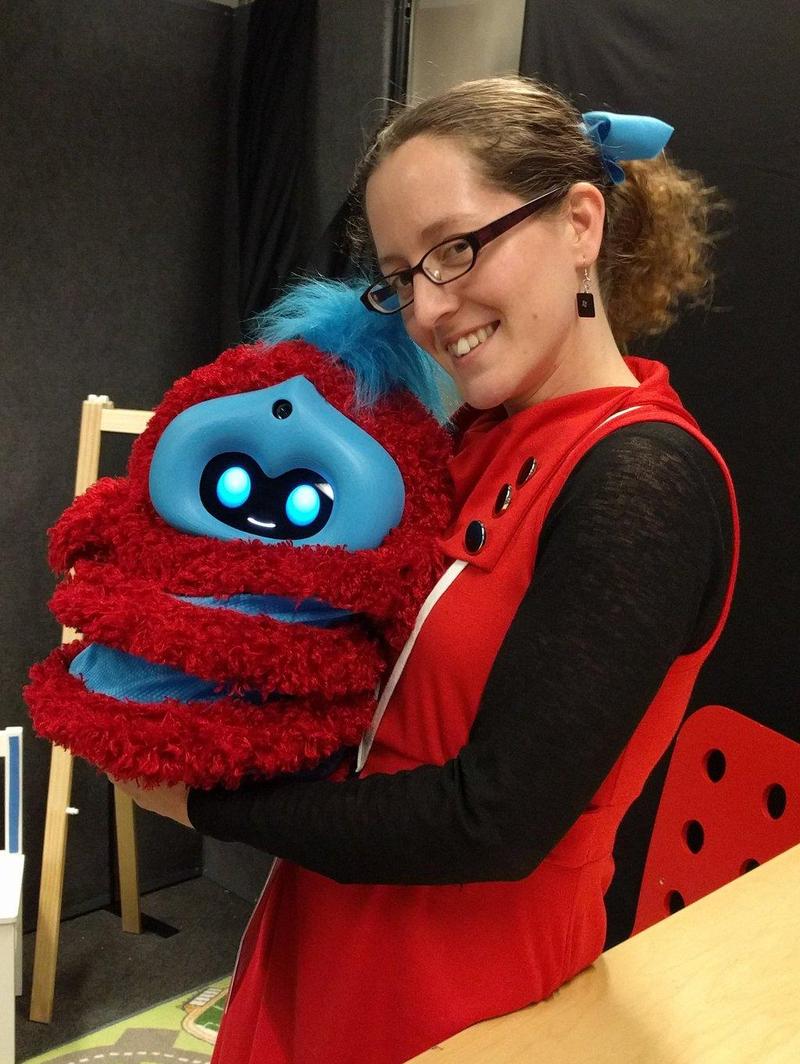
(180, 1031)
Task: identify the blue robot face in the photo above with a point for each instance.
(236, 490)
(276, 464)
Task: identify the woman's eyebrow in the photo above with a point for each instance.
(450, 225)
(382, 261)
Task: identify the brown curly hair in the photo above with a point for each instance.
(526, 138)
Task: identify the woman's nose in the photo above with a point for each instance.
(432, 301)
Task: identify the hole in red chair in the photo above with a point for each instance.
(748, 866)
(776, 801)
(694, 836)
(675, 902)
(715, 765)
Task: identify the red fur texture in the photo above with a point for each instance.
(318, 684)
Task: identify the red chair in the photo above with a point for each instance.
(731, 801)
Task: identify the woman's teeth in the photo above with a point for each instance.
(469, 342)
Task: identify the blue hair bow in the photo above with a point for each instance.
(620, 137)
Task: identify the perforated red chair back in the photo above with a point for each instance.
(731, 801)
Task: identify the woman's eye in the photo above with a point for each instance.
(234, 487)
(458, 249)
(401, 282)
(303, 505)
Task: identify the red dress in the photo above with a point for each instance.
(362, 974)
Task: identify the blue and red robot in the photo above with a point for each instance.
(242, 592)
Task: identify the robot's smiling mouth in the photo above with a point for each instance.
(236, 491)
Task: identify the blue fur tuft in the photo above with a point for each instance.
(330, 315)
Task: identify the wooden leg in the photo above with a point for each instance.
(127, 863)
(52, 886)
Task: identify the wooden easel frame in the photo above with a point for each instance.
(98, 415)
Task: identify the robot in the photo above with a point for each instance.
(243, 590)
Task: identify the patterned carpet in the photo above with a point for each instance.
(181, 1031)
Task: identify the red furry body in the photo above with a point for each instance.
(128, 564)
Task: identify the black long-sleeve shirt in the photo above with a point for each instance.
(631, 571)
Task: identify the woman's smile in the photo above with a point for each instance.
(468, 341)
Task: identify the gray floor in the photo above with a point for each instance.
(105, 975)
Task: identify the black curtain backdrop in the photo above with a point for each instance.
(316, 81)
(130, 167)
(113, 141)
(149, 207)
(273, 117)
(725, 76)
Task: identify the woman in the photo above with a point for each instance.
(462, 874)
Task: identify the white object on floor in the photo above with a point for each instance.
(12, 864)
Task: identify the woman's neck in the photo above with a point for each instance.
(596, 362)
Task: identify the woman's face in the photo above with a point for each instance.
(521, 289)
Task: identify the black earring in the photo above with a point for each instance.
(585, 298)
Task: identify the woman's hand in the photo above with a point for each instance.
(168, 800)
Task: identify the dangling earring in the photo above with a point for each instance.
(585, 297)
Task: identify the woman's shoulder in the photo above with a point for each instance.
(655, 451)
(656, 469)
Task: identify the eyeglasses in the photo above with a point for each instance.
(447, 261)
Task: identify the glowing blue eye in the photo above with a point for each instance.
(302, 506)
(233, 487)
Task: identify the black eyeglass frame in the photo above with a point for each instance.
(477, 239)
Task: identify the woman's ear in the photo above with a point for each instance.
(586, 211)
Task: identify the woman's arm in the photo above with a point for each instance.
(631, 572)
